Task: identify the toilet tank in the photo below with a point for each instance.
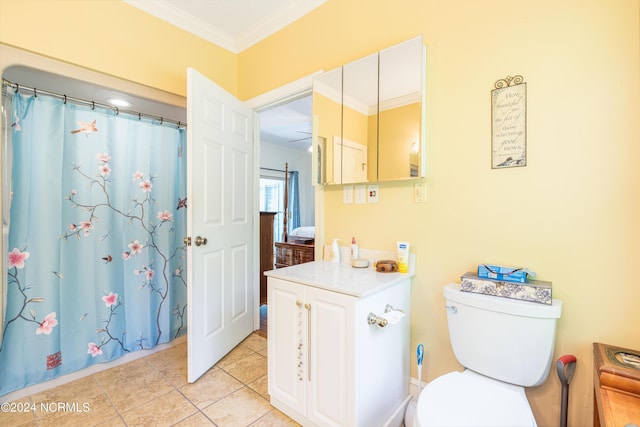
(502, 338)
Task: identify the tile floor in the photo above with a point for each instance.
(153, 391)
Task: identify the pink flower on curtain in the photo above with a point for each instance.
(47, 324)
(145, 186)
(103, 157)
(149, 274)
(104, 169)
(136, 247)
(164, 216)
(86, 226)
(126, 255)
(94, 350)
(110, 299)
(137, 176)
(16, 258)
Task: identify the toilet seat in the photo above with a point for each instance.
(470, 399)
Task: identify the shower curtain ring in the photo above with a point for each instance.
(117, 111)
(35, 92)
(139, 116)
(93, 105)
(65, 99)
(161, 120)
(178, 125)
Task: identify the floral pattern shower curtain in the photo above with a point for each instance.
(96, 262)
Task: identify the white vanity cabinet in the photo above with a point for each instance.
(328, 366)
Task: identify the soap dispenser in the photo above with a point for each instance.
(335, 252)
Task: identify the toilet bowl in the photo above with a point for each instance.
(504, 345)
(470, 399)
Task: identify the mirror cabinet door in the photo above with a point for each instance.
(369, 117)
(327, 118)
(359, 120)
(400, 139)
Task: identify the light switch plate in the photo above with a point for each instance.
(372, 192)
(347, 194)
(361, 194)
(419, 192)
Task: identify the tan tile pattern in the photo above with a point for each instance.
(153, 391)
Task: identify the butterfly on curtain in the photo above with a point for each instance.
(86, 128)
(182, 203)
(107, 259)
(16, 124)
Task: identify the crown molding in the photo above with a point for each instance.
(273, 23)
(196, 26)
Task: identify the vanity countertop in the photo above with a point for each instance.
(341, 278)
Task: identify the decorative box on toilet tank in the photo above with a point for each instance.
(331, 361)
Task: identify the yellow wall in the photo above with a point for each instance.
(114, 38)
(572, 214)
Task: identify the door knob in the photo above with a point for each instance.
(187, 241)
(200, 241)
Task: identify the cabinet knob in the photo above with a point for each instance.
(299, 303)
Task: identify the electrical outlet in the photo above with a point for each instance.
(419, 192)
(373, 191)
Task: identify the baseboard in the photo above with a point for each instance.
(413, 387)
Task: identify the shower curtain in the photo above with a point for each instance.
(96, 262)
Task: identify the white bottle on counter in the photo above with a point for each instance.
(354, 249)
(334, 256)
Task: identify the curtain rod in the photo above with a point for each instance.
(93, 104)
(275, 170)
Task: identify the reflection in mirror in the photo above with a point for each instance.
(359, 120)
(401, 145)
(327, 118)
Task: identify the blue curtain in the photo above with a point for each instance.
(96, 262)
(294, 202)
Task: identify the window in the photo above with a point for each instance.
(271, 200)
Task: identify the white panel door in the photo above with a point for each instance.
(221, 269)
(350, 161)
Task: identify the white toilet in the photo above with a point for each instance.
(504, 345)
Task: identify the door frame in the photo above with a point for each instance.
(281, 95)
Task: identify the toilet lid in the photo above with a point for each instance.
(470, 399)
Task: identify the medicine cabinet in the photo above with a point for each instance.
(369, 118)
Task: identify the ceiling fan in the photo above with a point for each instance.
(301, 139)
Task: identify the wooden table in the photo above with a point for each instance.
(616, 387)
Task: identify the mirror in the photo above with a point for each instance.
(368, 118)
(400, 109)
(327, 125)
(359, 121)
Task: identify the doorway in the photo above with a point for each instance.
(285, 149)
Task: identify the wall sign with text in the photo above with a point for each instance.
(509, 123)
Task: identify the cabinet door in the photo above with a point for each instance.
(332, 341)
(287, 319)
